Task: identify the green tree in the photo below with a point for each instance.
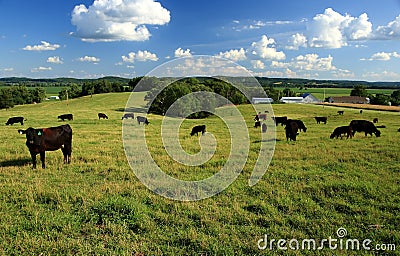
(380, 99)
(395, 98)
(359, 90)
(6, 98)
(38, 94)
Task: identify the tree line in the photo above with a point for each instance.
(19, 95)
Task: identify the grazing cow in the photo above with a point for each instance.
(320, 119)
(291, 130)
(48, 139)
(342, 130)
(375, 120)
(398, 130)
(300, 124)
(102, 115)
(128, 115)
(364, 126)
(66, 116)
(340, 112)
(142, 119)
(15, 119)
(260, 117)
(197, 129)
(257, 124)
(279, 120)
(361, 111)
(264, 128)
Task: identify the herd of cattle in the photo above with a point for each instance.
(41, 140)
(293, 126)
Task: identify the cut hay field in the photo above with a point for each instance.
(97, 206)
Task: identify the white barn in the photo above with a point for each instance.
(261, 100)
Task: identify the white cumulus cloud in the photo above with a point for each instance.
(391, 30)
(234, 55)
(116, 20)
(182, 53)
(139, 56)
(383, 56)
(265, 49)
(45, 46)
(39, 69)
(89, 59)
(55, 60)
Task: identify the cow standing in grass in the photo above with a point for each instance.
(320, 119)
(197, 129)
(102, 115)
(364, 126)
(66, 116)
(142, 119)
(342, 130)
(15, 119)
(41, 140)
(291, 130)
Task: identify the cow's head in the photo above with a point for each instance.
(33, 136)
(378, 133)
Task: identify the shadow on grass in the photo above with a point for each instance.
(16, 162)
(131, 109)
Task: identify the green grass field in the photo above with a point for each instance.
(97, 206)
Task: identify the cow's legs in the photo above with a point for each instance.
(33, 155)
(67, 154)
(42, 159)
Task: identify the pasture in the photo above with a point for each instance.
(96, 205)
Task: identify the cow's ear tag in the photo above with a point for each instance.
(39, 133)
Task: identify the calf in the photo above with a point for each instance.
(102, 115)
(15, 119)
(342, 130)
(364, 126)
(66, 116)
(291, 130)
(279, 120)
(320, 119)
(300, 124)
(41, 140)
(340, 112)
(128, 115)
(197, 129)
(142, 119)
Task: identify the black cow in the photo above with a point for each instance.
(320, 119)
(15, 119)
(66, 116)
(364, 126)
(342, 130)
(259, 117)
(300, 124)
(257, 124)
(102, 115)
(279, 120)
(48, 139)
(197, 129)
(340, 112)
(128, 115)
(375, 120)
(142, 119)
(291, 130)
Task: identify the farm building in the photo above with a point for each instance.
(349, 99)
(291, 99)
(261, 100)
(54, 98)
(304, 98)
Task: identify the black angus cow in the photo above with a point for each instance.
(128, 115)
(342, 130)
(197, 129)
(291, 130)
(259, 117)
(375, 120)
(364, 126)
(320, 119)
(48, 139)
(340, 112)
(66, 116)
(279, 119)
(257, 124)
(15, 119)
(102, 115)
(300, 124)
(142, 119)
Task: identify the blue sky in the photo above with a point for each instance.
(344, 40)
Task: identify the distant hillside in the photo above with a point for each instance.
(264, 81)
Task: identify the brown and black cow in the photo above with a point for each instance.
(342, 130)
(41, 140)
